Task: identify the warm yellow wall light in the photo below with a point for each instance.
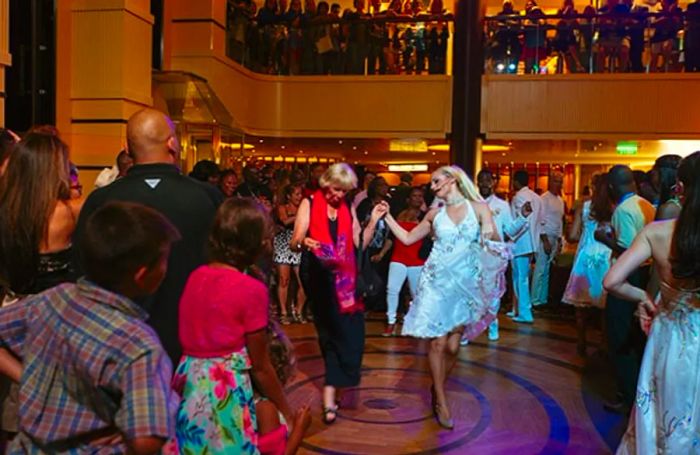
(484, 148)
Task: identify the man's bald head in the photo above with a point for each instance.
(151, 138)
(621, 180)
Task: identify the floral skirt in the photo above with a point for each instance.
(217, 412)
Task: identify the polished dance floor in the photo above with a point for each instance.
(528, 393)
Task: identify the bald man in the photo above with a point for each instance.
(551, 230)
(155, 181)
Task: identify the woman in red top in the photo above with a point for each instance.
(405, 260)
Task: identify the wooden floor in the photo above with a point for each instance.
(527, 393)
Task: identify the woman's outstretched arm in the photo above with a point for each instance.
(417, 233)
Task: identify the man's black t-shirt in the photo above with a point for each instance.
(190, 207)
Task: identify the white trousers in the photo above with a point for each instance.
(397, 275)
(540, 277)
(521, 285)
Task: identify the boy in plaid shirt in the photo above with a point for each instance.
(94, 377)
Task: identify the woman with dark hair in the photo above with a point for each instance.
(285, 258)
(37, 216)
(406, 261)
(667, 408)
(37, 220)
(663, 179)
(585, 287)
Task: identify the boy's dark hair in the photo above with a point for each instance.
(120, 237)
(242, 231)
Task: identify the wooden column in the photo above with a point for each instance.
(5, 57)
(103, 75)
(466, 88)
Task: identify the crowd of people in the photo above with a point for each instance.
(144, 317)
(620, 36)
(281, 38)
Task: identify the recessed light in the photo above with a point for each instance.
(283, 147)
(340, 141)
(354, 147)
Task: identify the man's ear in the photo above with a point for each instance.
(140, 276)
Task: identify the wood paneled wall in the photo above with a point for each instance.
(598, 106)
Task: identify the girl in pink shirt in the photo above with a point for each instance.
(223, 318)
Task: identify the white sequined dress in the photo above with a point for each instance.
(461, 283)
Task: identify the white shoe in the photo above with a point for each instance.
(493, 334)
(463, 342)
(510, 314)
(493, 330)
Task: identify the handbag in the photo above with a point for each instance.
(324, 44)
(368, 284)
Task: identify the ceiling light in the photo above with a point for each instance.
(237, 145)
(408, 167)
(408, 145)
(678, 147)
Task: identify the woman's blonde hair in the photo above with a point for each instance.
(464, 184)
(339, 174)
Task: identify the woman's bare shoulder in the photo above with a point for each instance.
(481, 208)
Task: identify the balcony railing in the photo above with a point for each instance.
(593, 42)
(296, 43)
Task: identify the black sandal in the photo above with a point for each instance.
(333, 411)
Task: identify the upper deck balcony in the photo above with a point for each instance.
(564, 76)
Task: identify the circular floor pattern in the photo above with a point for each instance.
(402, 407)
(520, 395)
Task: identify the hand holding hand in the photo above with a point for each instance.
(379, 211)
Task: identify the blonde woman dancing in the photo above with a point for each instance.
(462, 280)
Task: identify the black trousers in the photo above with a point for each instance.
(625, 338)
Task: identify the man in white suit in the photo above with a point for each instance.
(509, 227)
(524, 245)
(551, 230)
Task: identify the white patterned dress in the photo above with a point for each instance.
(592, 261)
(461, 283)
(666, 415)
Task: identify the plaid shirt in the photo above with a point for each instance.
(91, 369)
